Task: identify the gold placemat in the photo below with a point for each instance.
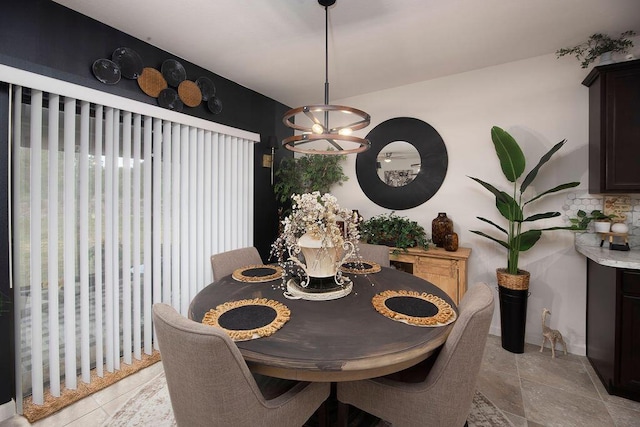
(189, 93)
(282, 315)
(151, 82)
(444, 315)
(360, 267)
(248, 273)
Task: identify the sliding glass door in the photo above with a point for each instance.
(113, 210)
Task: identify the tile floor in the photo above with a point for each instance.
(532, 389)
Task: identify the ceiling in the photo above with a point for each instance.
(276, 47)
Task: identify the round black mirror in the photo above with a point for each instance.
(419, 183)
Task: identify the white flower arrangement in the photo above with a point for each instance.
(321, 217)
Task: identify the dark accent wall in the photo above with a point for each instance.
(6, 318)
(46, 38)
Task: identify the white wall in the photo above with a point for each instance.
(540, 101)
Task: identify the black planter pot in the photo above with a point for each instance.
(513, 318)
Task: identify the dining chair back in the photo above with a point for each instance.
(443, 395)
(375, 253)
(210, 384)
(225, 263)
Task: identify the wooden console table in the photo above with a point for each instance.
(446, 270)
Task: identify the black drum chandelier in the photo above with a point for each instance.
(324, 122)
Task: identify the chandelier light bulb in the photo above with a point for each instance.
(317, 128)
(345, 131)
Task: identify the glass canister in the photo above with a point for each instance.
(440, 227)
(451, 242)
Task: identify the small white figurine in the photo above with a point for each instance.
(553, 335)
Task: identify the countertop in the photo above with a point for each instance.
(605, 256)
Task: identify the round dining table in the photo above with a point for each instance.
(343, 339)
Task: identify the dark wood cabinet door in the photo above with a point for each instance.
(614, 128)
(601, 320)
(630, 331)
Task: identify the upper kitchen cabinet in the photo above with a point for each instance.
(614, 128)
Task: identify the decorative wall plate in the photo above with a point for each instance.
(129, 61)
(207, 87)
(189, 93)
(173, 72)
(106, 71)
(168, 98)
(248, 319)
(414, 308)
(215, 105)
(151, 82)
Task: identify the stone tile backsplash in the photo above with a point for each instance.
(588, 202)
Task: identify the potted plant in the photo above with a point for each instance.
(582, 220)
(394, 231)
(305, 174)
(513, 283)
(598, 45)
(602, 222)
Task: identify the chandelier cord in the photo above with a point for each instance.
(326, 65)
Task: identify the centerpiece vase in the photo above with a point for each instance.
(322, 261)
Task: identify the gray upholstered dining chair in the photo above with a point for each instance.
(436, 392)
(375, 253)
(210, 384)
(226, 263)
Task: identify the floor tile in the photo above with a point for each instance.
(497, 358)
(92, 419)
(516, 420)
(112, 407)
(559, 373)
(15, 421)
(622, 416)
(502, 389)
(69, 414)
(552, 407)
(127, 384)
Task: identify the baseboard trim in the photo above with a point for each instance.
(578, 350)
(7, 410)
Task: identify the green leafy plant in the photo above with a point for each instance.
(596, 45)
(395, 231)
(582, 220)
(511, 206)
(305, 174)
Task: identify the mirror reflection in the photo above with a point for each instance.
(398, 163)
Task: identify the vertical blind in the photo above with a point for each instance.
(113, 211)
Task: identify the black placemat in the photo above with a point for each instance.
(247, 317)
(258, 273)
(360, 267)
(414, 308)
(411, 306)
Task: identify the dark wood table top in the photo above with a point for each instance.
(339, 340)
